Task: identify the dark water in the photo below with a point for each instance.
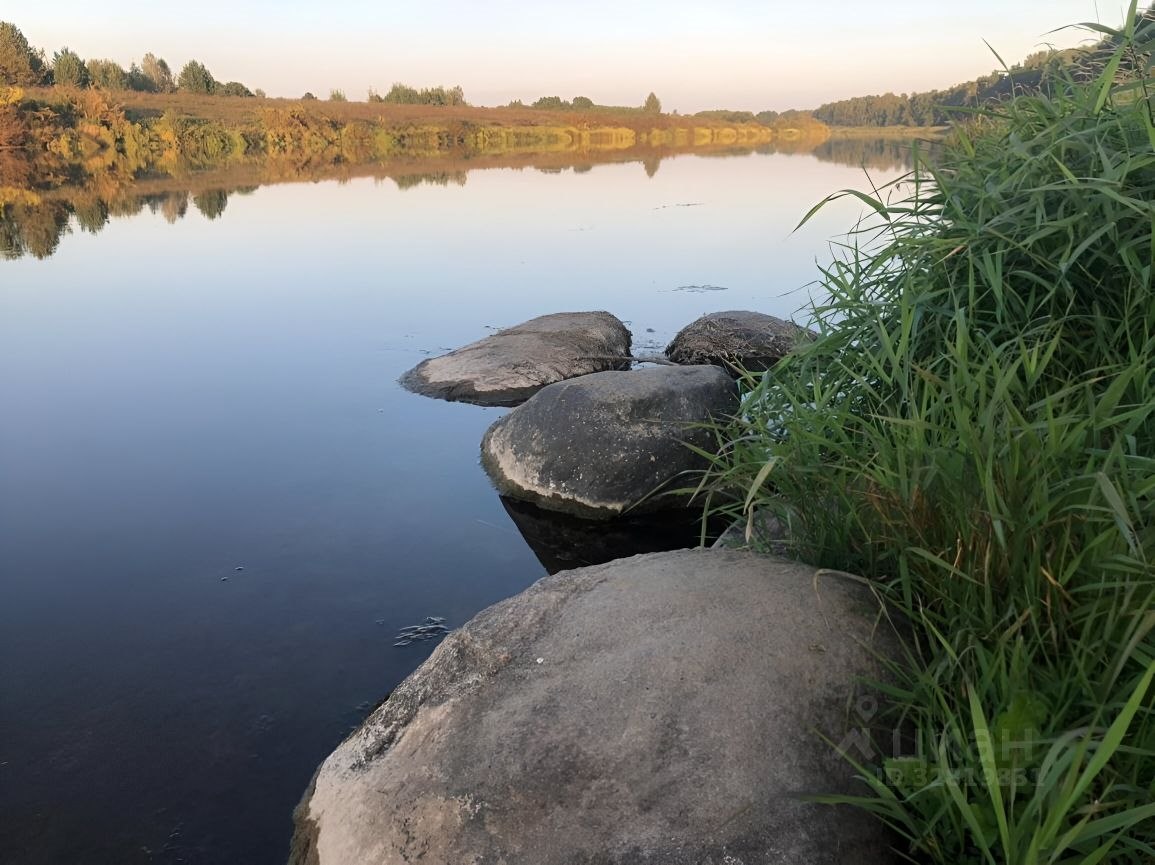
(217, 507)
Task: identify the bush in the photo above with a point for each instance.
(195, 78)
(68, 70)
(233, 88)
(403, 94)
(975, 427)
(551, 103)
(107, 75)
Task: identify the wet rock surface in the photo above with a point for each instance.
(660, 709)
(508, 367)
(611, 442)
(753, 340)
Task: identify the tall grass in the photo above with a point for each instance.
(975, 427)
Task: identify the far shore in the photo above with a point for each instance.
(887, 131)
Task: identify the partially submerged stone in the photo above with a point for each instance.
(510, 366)
(666, 709)
(751, 340)
(611, 442)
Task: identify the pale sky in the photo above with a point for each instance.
(739, 54)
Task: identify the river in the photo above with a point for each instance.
(217, 507)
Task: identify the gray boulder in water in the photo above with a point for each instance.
(752, 340)
(510, 366)
(665, 709)
(604, 444)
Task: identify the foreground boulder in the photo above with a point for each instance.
(611, 442)
(663, 709)
(752, 340)
(512, 365)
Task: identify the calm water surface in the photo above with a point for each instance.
(217, 507)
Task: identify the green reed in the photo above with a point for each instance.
(975, 428)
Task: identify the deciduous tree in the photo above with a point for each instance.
(138, 81)
(652, 105)
(158, 72)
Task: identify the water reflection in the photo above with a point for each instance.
(32, 223)
(876, 154)
(561, 542)
(435, 178)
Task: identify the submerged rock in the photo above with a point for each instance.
(510, 366)
(610, 442)
(753, 340)
(664, 709)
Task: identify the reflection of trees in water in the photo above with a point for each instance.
(35, 227)
(31, 224)
(880, 154)
(173, 206)
(91, 213)
(211, 203)
(124, 204)
(32, 229)
(434, 178)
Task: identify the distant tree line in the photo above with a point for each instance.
(765, 118)
(1038, 72)
(403, 94)
(931, 108)
(23, 66)
(651, 104)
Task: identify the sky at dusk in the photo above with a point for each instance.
(739, 54)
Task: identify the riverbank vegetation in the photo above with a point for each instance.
(75, 158)
(52, 136)
(975, 429)
(100, 142)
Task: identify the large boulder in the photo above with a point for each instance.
(601, 445)
(752, 340)
(510, 366)
(666, 709)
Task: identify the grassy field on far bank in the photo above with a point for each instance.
(241, 110)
